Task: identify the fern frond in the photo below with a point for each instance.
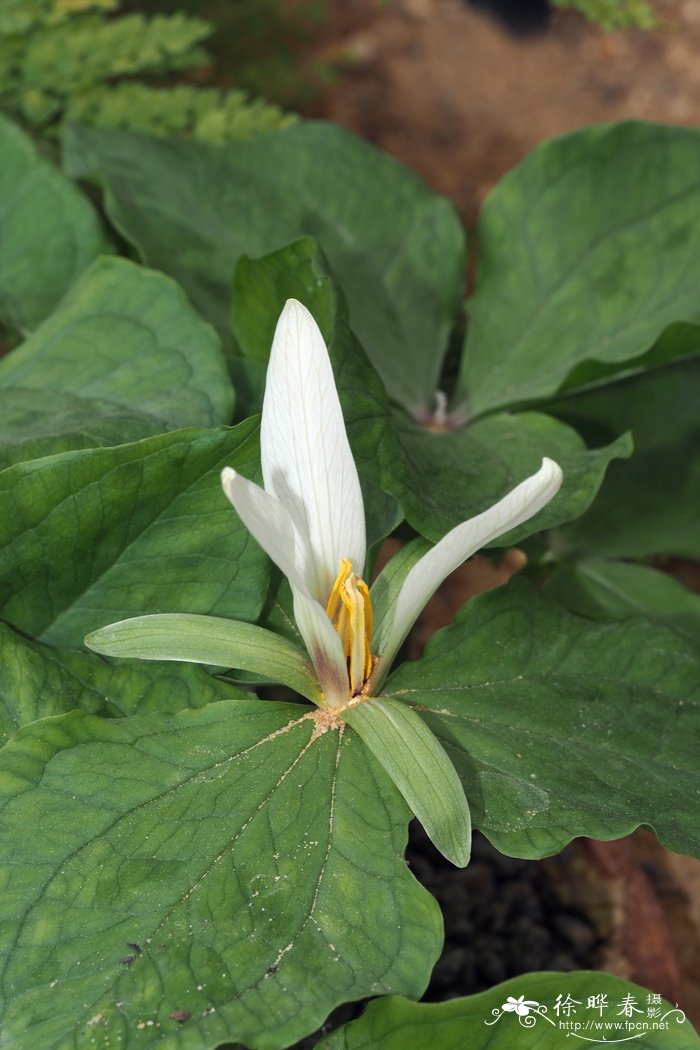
(77, 54)
(18, 17)
(204, 113)
(66, 58)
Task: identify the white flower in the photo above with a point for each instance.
(520, 1006)
(309, 518)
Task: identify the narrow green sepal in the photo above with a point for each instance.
(385, 589)
(418, 765)
(191, 638)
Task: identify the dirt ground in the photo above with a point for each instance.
(447, 89)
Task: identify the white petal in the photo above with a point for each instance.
(459, 544)
(267, 521)
(325, 648)
(306, 459)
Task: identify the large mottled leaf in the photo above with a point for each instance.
(561, 726)
(452, 475)
(299, 271)
(49, 232)
(124, 356)
(680, 340)
(98, 535)
(224, 874)
(37, 681)
(33, 424)
(616, 590)
(396, 248)
(651, 504)
(587, 250)
(554, 1009)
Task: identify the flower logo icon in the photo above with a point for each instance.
(520, 1006)
(528, 1011)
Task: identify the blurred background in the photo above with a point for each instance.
(460, 91)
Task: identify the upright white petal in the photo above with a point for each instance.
(306, 459)
(269, 523)
(324, 648)
(459, 544)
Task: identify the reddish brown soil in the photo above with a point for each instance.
(446, 89)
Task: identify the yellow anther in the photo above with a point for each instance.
(335, 602)
(349, 609)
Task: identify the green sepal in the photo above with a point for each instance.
(192, 638)
(385, 589)
(417, 763)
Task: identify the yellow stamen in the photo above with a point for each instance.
(335, 604)
(349, 609)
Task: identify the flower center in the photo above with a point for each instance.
(349, 609)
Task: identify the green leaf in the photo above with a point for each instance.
(453, 475)
(616, 590)
(33, 425)
(396, 248)
(38, 682)
(104, 534)
(253, 859)
(678, 341)
(560, 726)
(587, 250)
(261, 287)
(100, 360)
(648, 505)
(299, 271)
(406, 749)
(49, 233)
(480, 1022)
(209, 640)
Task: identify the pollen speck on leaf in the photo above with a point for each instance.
(323, 721)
